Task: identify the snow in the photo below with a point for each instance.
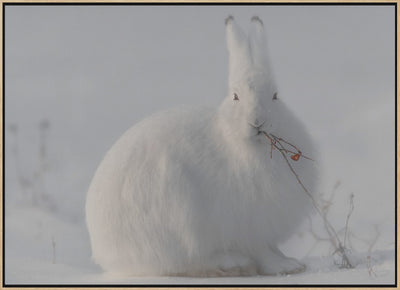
(36, 263)
(97, 70)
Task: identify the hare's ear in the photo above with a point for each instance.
(258, 43)
(238, 48)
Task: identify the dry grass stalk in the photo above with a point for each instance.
(371, 271)
(279, 144)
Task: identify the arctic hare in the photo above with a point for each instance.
(196, 191)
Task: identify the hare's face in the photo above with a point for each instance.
(253, 104)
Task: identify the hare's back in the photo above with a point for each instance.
(175, 129)
(173, 135)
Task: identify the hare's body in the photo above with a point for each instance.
(193, 192)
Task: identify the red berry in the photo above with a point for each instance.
(295, 157)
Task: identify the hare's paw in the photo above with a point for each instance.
(236, 271)
(235, 264)
(282, 266)
(229, 265)
(222, 265)
(276, 263)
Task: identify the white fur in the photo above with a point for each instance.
(193, 191)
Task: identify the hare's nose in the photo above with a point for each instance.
(257, 123)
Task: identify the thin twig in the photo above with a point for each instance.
(290, 144)
(328, 226)
(371, 271)
(348, 217)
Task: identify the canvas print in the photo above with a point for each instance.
(199, 144)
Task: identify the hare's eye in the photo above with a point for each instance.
(275, 96)
(235, 97)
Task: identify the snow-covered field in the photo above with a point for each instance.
(78, 76)
(31, 258)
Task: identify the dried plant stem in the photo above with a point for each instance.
(348, 217)
(371, 271)
(328, 226)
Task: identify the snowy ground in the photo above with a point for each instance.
(92, 72)
(47, 250)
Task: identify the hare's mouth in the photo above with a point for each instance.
(257, 128)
